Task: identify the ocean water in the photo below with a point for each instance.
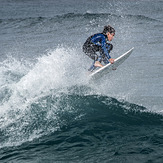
(49, 112)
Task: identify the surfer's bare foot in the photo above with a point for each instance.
(98, 64)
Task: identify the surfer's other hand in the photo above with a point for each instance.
(111, 60)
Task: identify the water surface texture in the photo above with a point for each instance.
(49, 112)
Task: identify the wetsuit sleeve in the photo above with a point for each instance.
(96, 40)
(100, 40)
(105, 48)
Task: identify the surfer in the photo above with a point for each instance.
(100, 43)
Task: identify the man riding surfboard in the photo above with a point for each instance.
(100, 43)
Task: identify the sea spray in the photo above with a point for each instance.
(23, 105)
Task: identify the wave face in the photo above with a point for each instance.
(80, 127)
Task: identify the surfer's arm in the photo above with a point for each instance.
(109, 58)
(107, 51)
(96, 39)
(104, 48)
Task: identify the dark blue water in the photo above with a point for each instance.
(49, 112)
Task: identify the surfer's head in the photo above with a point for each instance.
(109, 29)
(109, 32)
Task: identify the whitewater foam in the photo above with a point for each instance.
(50, 76)
(52, 71)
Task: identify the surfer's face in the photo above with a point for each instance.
(110, 36)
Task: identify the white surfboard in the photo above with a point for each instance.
(109, 67)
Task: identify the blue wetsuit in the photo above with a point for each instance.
(98, 43)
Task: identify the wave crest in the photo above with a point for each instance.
(64, 109)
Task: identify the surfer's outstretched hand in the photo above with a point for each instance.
(111, 60)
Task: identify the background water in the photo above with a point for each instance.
(49, 112)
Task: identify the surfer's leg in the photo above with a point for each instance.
(92, 67)
(105, 60)
(92, 53)
(94, 57)
(96, 63)
(103, 56)
(89, 51)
